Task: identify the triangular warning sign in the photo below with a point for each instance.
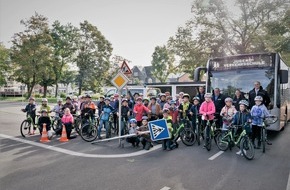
(157, 130)
(125, 68)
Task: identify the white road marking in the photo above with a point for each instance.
(80, 154)
(288, 184)
(165, 188)
(216, 155)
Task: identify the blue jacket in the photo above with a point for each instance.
(258, 113)
(107, 109)
(240, 118)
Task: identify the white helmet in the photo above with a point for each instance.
(244, 102)
(228, 99)
(44, 100)
(259, 98)
(208, 95)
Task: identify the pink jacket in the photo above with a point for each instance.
(67, 118)
(140, 109)
(207, 108)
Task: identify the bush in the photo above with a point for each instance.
(62, 95)
(37, 96)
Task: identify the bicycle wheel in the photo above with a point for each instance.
(56, 124)
(77, 125)
(198, 135)
(25, 128)
(188, 137)
(221, 142)
(89, 132)
(247, 148)
(263, 139)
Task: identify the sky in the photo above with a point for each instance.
(134, 27)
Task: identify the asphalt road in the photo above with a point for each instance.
(28, 164)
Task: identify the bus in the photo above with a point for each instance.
(241, 71)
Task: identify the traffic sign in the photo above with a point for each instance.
(158, 130)
(120, 80)
(125, 68)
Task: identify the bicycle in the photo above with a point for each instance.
(56, 121)
(28, 127)
(89, 130)
(185, 133)
(231, 139)
(210, 133)
(267, 121)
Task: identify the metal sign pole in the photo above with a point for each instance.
(120, 104)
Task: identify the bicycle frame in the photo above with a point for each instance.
(231, 137)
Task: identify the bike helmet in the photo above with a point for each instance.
(31, 98)
(44, 100)
(68, 98)
(107, 98)
(169, 98)
(145, 118)
(244, 102)
(259, 98)
(124, 100)
(228, 99)
(146, 99)
(172, 102)
(102, 96)
(195, 98)
(186, 95)
(139, 98)
(153, 97)
(165, 110)
(133, 120)
(162, 94)
(208, 95)
(59, 100)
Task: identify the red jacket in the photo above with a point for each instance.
(139, 109)
(67, 119)
(207, 108)
(174, 115)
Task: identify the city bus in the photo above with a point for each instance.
(241, 71)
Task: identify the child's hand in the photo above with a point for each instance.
(190, 113)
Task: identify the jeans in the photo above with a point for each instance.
(106, 124)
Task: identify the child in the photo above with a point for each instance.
(44, 106)
(44, 119)
(125, 113)
(168, 144)
(194, 111)
(139, 109)
(104, 118)
(133, 130)
(184, 107)
(173, 112)
(155, 108)
(68, 120)
(207, 110)
(228, 112)
(258, 112)
(30, 109)
(242, 119)
(144, 138)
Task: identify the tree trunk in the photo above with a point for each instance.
(56, 89)
(44, 90)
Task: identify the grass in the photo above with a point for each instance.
(20, 99)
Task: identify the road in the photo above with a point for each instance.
(28, 164)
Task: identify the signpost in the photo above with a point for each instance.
(158, 130)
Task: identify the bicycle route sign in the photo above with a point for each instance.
(158, 130)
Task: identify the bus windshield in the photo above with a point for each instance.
(243, 79)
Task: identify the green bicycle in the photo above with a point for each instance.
(230, 139)
(185, 133)
(89, 130)
(28, 127)
(210, 132)
(267, 121)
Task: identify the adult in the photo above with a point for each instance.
(101, 104)
(68, 104)
(200, 93)
(155, 109)
(258, 91)
(219, 102)
(162, 100)
(237, 98)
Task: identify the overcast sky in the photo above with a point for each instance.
(134, 27)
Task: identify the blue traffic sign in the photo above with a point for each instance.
(158, 130)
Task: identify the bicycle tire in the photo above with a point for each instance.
(56, 125)
(222, 144)
(207, 139)
(247, 148)
(188, 137)
(77, 125)
(198, 135)
(263, 139)
(25, 128)
(89, 132)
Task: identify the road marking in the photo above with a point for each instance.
(165, 188)
(80, 154)
(288, 184)
(216, 155)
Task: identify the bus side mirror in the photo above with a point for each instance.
(283, 76)
(197, 72)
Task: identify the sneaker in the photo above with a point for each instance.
(239, 152)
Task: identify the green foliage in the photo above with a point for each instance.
(94, 52)
(62, 95)
(162, 63)
(4, 64)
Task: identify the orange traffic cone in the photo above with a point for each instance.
(63, 137)
(44, 137)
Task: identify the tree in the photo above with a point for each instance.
(64, 46)
(4, 64)
(68, 77)
(162, 63)
(30, 52)
(93, 57)
(216, 31)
